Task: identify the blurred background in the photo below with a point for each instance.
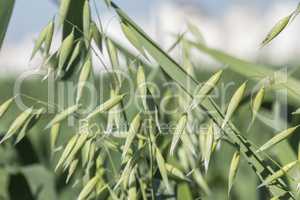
(235, 26)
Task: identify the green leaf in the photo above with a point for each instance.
(188, 84)
(41, 181)
(254, 71)
(184, 192)
(73, 19)
(108, 3)
(128, 32)
(6, 8)
(179, 39)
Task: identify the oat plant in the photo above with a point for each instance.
(129, 146)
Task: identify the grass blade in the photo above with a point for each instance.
(196, 32)
(131, 38)
(6, 9)
(253, 71)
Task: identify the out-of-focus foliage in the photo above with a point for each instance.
(6, 8)
(121, 149)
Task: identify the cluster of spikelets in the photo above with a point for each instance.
(144, 158)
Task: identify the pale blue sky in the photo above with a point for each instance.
(31, 15)
(224, 24)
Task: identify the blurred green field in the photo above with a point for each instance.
(146, 160)
(28, 168)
